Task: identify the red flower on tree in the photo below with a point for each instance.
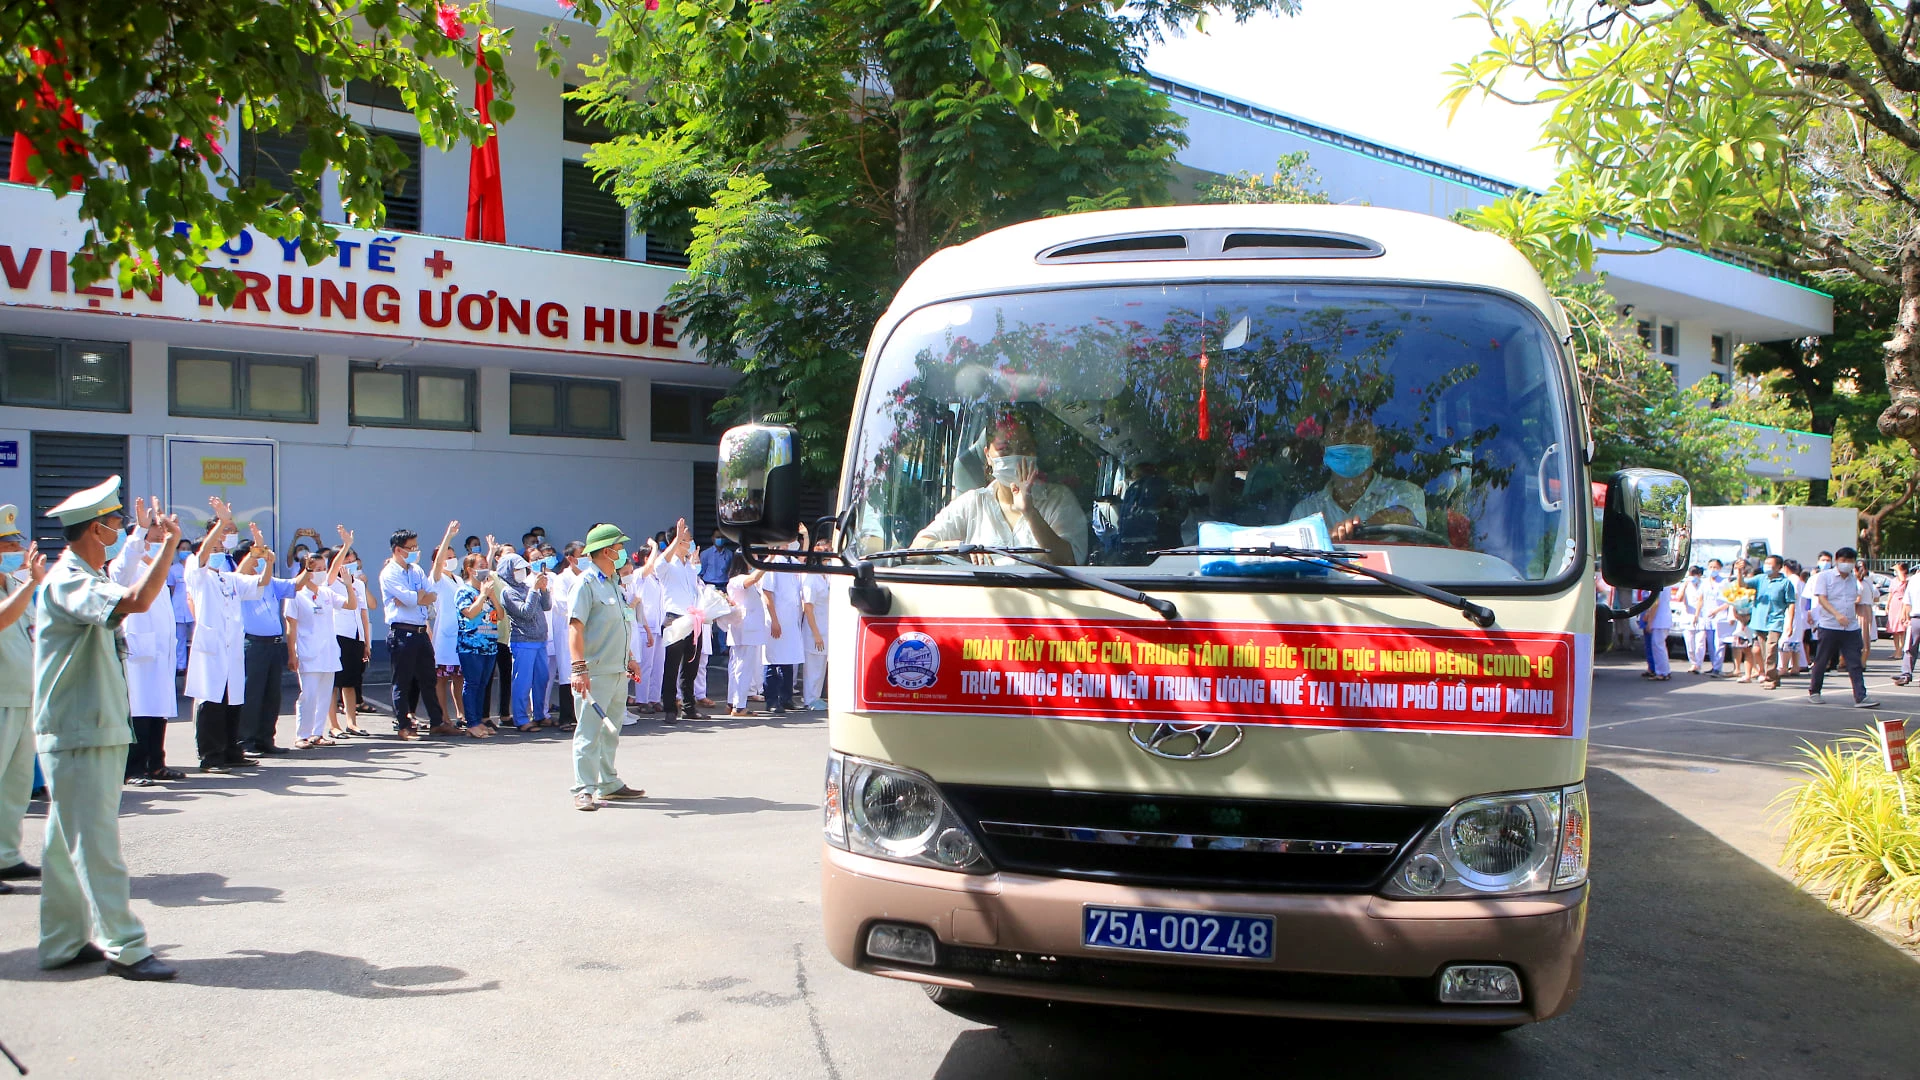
(450, 23)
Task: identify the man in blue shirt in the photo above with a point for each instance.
(714, 561)
(406, 594)
(1772, 616)
(266, 660)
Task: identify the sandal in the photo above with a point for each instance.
(303, 744)
(324, 741)
(167, 774)
(479, 733)
(140, 781)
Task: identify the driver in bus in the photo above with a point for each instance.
(1017, 509)
(1356, 495)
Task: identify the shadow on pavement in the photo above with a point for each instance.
(1699, 961)
(720, 805)
(348, 976)
(303, 773)
(199, 890)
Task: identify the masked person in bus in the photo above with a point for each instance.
(1016, 509)
(1357, 495)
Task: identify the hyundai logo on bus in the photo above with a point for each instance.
(1186, 742)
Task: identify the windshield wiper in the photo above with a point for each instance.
(1163, 607)
(1477, 614)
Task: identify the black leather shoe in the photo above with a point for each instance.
(20, 871)
(214, 766)
(690, 714)
(242, 760)
(5, 888)
(147, 970)
(88, 954)
(271, 750)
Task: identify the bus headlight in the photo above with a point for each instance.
(1500, 845)
(894, 813)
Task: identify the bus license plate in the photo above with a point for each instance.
(1184, 933)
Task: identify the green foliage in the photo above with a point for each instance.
(1293, 181)
(1848, 835)
(1781, 130)
(155, 81)
(825, 149)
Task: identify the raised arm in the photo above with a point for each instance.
(440, 553)
(21, 597)
(340, 560)
(144, 594)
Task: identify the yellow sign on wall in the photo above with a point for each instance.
(223, 470)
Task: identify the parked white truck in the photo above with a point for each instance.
(1794, 532)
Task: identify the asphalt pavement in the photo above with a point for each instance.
(437, 909)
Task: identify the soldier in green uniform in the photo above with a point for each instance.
(82, 724)
(16, 693)
(598, 630)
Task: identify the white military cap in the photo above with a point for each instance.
(9, 520)
(97, 501)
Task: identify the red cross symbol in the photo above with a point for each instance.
(439, 264)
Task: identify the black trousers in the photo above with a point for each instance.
(1838, 648)
(676, 676)
(148, 753)
(260, 713)
(411, 654)
(503, 670)
(216, 732)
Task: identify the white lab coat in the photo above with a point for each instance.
(217, 666)
(149, 635)
(311, 612)
(790, 646)
(562, 586)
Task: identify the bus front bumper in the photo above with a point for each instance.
(1336, 956)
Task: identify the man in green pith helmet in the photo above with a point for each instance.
(82, 724)
(16, 691)
(598, 630)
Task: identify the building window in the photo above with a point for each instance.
(592, 221)
(403, 188)
(378, 95)
(1645, 330)
(552, 405)
(270, 157)
(411, 397)
(1722, 351)
(665, 248)
(1669, 340)
(240, 386)
(684, 414)
(577, 127)
(50, 373)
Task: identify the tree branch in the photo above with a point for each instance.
(1835, 254)
(1903, 73)
(1873, 106)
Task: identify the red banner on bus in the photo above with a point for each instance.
(1476, 681)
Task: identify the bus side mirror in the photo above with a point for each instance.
(759, 482)
(1646, 535)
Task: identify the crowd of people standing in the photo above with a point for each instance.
(1763, 621)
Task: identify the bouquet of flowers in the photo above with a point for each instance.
(1741, 598)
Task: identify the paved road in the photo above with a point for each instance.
(437, 910)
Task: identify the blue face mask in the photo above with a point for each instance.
(12, 561)
(1348, 459)
(119, 541)
(620, 560)
(413, 556)
(350, 568)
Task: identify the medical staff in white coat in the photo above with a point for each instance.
(814, 597)
(313, 652)
(216, 668)
(747, 637)
(151, 649)
(559, 643)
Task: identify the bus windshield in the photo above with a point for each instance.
(1100, 426)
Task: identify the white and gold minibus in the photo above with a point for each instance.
(1214, 619)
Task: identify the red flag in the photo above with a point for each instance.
(19, 170)
(486, 212)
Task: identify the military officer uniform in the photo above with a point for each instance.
(606, 629)
(16, 720)
(82, 725)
